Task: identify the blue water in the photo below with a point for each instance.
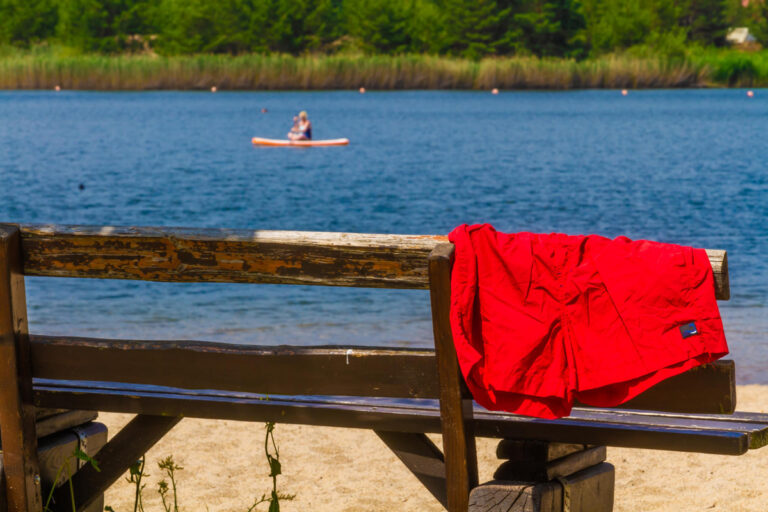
(675, 166)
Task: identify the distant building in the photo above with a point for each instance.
(740, 36)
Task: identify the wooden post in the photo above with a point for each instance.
(455, 400)
(17, 414)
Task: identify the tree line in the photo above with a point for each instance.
(465, 28)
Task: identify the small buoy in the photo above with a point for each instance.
(57, 88)
(624, 92)
(213, 89)
(81, 186)
(362, 90)
(494, 91)
(751, 94)
(263, 110)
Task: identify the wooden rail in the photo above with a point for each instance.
(285, 370)
(244, 256)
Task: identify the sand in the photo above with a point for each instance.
(339, 470)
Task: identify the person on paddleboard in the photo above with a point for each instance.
(305, 128)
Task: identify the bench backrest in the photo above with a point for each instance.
(244, 256)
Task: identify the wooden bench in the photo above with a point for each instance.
(401, 394)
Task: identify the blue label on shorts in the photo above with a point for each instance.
(688, 330)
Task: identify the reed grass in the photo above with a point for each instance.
(282, 72)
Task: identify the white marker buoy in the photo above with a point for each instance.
(750, 94)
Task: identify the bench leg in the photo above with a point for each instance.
(17, 414)
(547, 477)
(421, 457)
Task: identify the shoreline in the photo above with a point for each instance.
(255, 72)
(334, 469)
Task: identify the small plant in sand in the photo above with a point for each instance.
(168, 466)
(135, 476)
(275, 469)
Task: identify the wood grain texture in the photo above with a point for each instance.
(590, 490)
(244, 256)
(455, 401)
(284, 370)
(397, 373)
(725, 435)
(218, 255)
(719, 261)
(17, 414)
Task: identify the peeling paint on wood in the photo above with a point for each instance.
(244, 256)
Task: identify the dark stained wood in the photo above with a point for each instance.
(365, 371)
(421, 457)
(717, 435)
(590, 490)
(543, 471)
(709, 388)
(244, 256)
(114, 459)
(534, 452)
(17, 415)
(286, 370)
(455, 400)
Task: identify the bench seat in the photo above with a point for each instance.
(704, 433)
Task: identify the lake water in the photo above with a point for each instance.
(675, 166)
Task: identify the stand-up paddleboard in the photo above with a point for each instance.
(259, 141)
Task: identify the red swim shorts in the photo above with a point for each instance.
(541, 320)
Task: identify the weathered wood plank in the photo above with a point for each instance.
(711, 387)
(421, 457)
(244, 256)
(358, 371)
(719, 261)
(17, 414)
(213, 255)
(455, 400)
(397, 373)
(590, 490)
(67, 419)
(716, 436)
(114, 459)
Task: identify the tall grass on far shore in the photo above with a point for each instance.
(734, 69)
(283, 72)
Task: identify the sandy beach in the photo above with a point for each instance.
(330, 469)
